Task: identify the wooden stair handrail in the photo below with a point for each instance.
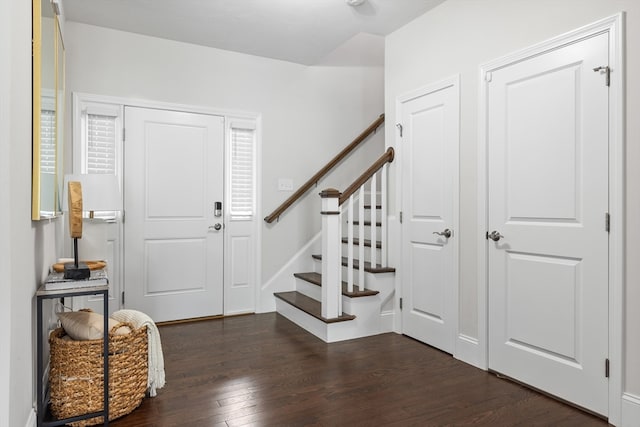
(387, 157)
(322, 172)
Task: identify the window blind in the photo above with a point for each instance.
(48, 142)
(242, 172)
(101, 144)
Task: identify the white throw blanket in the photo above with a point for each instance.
(138, 319)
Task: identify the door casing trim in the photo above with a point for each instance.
(614, 26)
(227, 114)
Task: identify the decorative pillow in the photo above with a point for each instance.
(87, 325)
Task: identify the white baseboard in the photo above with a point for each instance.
(32, 420)
(387, 319)
(283, 280)
(468, 350)
(630, 416)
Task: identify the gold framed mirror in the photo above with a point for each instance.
(48, 111)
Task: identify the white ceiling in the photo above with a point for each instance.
(303, 31)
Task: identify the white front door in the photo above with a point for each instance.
(429, 145)
(547, 165)
(173, 178)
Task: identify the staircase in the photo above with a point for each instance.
(349, 293)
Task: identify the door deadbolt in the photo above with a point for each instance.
(446, 233)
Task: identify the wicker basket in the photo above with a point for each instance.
(76, 375)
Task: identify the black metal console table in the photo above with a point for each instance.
(42, 394)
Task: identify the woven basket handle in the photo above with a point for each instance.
(119, 325)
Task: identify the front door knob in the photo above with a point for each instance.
(495, 236)
(446, 233)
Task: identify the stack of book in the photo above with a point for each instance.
(56, 280)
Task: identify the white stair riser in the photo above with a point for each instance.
(309, 289)
(367, 252)
(367, 232)
(369, 278)
(368, 213)
(315, 292)
(362, 307)
(384, 283)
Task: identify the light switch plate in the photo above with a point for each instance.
(285, 184)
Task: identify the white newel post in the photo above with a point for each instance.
(331, 254)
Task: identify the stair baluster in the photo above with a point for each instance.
(384, 257)
(361, 201)
(350, 244)
(373, 195)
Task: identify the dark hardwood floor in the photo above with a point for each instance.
(262, 370)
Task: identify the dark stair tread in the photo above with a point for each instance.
(310, 306)
(367, 265)
(369, 206)
(367, 242)
(316, 279)
(367, 223)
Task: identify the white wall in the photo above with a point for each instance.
(308, 113)
(6, 49)
(458, 36)
(27, 248)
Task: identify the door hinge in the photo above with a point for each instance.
(122, 298)
(400, 217)
(607, 222)
(123, 134)
(399, 126)
(488, 76)
(400, 303)
(606, 368)
(607, 72)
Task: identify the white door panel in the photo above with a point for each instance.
(548, 196)
(429, 188)
(428, 262)
(173, 177)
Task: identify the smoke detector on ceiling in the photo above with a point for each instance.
(354, 2)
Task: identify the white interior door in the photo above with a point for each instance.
(430, 137)
(173, 240)
(547, 199)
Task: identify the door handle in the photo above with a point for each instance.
(216, 227)
(494, 235)
(446, 233)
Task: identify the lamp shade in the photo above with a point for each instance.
(100, 192)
